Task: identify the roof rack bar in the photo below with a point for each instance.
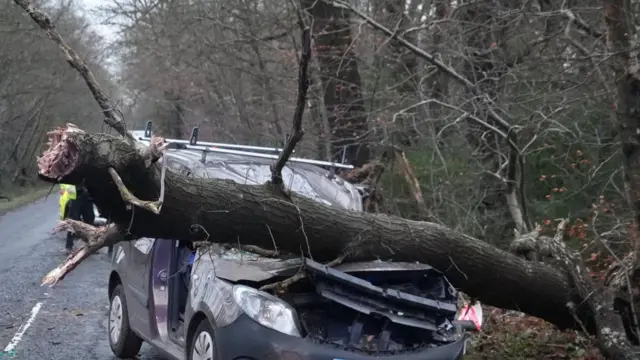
(194, 136)
(220, 145)
(195, 132)
(264, 156)
(147, 129)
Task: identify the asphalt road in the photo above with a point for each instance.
(68, 321)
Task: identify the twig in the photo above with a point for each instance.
(113, 118)
(296, 131)
(304, 233)
(275, 247)
(127, 196)
(260, 251)
(281, 285)
(194, 229)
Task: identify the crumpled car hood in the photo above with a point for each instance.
(236, 265)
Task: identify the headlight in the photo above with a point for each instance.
(267, 310)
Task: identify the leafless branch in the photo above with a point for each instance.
(280, 285)
(127, 196)
(296, 131)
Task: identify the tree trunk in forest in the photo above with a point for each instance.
(621, 40)
(341, 82)
(401, 63)
(627, 75)
(505, 205)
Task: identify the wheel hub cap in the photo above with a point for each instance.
(203, 347)
(115, 319)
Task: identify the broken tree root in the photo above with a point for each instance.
(281, 285)
(95, 237)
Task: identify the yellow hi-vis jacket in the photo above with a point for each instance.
(67, 192)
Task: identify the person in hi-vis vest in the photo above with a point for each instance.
(75, 204)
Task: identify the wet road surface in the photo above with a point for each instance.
(66, 322)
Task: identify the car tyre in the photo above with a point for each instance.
(124, 342)
(203, 344)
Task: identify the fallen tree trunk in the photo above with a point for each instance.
(227, 212)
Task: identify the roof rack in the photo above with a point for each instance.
(206, 147)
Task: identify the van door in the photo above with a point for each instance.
(138, 276)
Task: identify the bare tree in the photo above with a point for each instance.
(28, 111)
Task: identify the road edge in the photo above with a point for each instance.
(29, 196)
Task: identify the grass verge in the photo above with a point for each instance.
(23, 196)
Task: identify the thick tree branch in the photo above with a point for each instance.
(95, 237)
(153, 206)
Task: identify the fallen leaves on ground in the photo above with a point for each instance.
(513, 335)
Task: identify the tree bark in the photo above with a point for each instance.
(620, 41)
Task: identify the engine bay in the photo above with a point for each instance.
(375, 312)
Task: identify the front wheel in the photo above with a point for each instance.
(124, 342)
(202, 345)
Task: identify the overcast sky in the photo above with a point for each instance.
(89, 5)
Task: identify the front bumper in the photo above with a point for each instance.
(245, 339)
